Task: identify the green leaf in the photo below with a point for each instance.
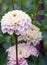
(45, 2)
(35, 60)
(1, 15)
(31, 14)
(44, 34)
(2, 39)
(29, 62)
(28, 5)
(2, 50)
(42, 12)
(45, 46)
(32, 60)
(7, 42)
(37, 23)
(3, 59)
(6, 46)
(7, 10)
(41, 60)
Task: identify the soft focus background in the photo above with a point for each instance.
(37, 10)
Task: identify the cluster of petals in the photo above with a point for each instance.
(33, 36)
(15, 21)
(21, 61)
(24, 51)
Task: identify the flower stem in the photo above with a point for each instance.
(16, 39)
(22, 4)
(16, 42)
(13, 4)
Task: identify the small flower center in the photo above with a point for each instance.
(32, 29)
(14, 15)
(20, 52)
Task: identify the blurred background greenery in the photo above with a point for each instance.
(37, 10)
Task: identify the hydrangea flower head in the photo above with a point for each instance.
(15, 20)
(24, 51)
(34, 35)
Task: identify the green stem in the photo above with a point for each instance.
(22, 4)
(36, 6)
(13, 4)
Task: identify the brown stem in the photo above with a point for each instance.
(13, 4)
(16, 50)
(16, 39)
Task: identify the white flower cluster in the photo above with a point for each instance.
(15, 21)
(24, 51)
(19, 22)
(33, 36)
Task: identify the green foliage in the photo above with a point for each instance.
(41, 60)
(3, 59)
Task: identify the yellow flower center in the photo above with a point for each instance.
(20, 52)
(32, 29)
(14, 15)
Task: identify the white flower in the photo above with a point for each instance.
(21, 61)
(34, 35)
(24, 51)
(15, 20)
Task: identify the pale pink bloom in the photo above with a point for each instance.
(15, 20)
(21, 61)
(24, 51)
(34, 36)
